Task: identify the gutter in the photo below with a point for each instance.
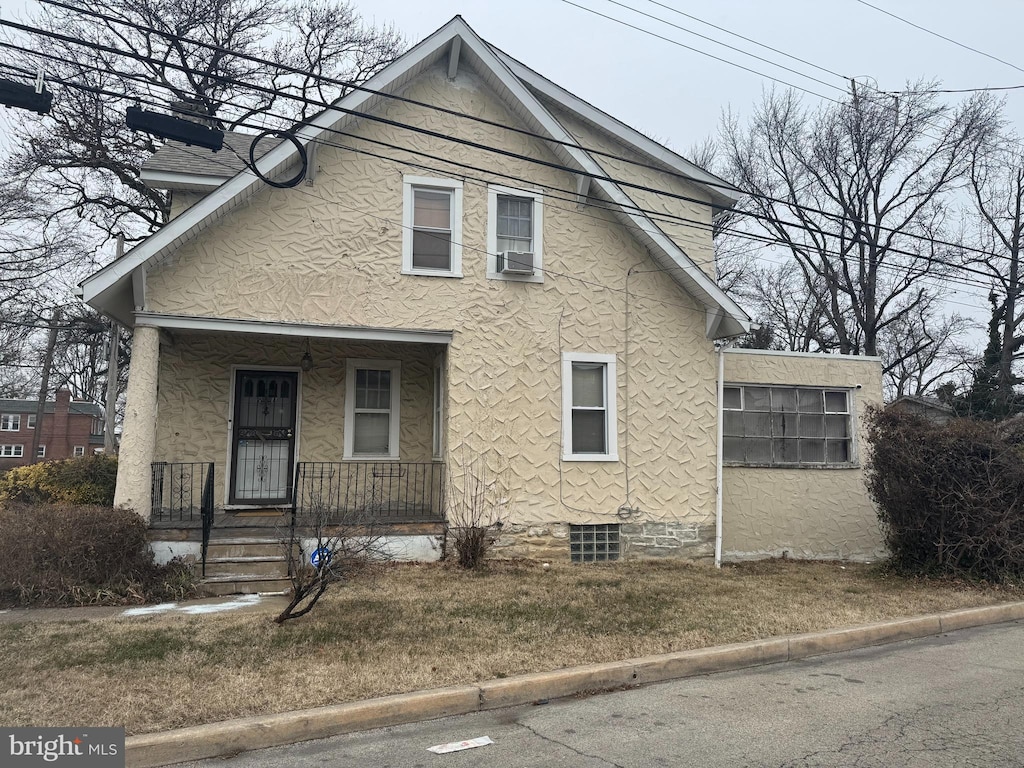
(718, 455)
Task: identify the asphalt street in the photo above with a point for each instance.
(951, 700)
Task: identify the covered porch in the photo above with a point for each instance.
(228, 421)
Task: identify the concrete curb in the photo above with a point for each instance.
(233, 736)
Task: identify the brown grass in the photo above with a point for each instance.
(423, 626)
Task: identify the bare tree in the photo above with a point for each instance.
(923, 349)
(81, 158)
(856, 192)
(997, 189)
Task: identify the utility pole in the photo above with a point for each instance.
(44, 387)
(109, 444)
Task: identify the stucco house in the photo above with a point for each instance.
(478, 264)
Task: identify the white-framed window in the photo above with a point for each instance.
(372, 409)
(772, 426)
(31, 421)
(589, 425)
(12, 451)
(432, 227)
(10, 422)
(79, 450)
(438, 410)
(41, 452)
(515, 224)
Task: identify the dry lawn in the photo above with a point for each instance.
(424, 626)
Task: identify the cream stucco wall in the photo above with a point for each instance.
(807, 513)
(331, 253)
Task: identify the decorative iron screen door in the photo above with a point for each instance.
(263, 437)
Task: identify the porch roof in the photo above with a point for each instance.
(280, 328)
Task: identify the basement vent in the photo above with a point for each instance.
(593, 543)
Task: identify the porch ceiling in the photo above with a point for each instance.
(305, 330)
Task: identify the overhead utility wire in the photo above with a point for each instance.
(942, 37)
(326, 105)
(890, 108)
(660, 216)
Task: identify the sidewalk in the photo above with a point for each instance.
(236, 603)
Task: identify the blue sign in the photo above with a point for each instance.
(320, 556)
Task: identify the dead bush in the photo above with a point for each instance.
(64, 554)
(950, 497)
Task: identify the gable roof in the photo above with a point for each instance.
(111, 288)
(177, 166)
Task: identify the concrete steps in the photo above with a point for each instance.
(239, 564)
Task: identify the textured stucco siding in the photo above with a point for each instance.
(331, 253)
(684, 214)
(805, 513)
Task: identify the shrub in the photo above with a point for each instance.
(82, 480)
(950, 497)
(63, 554)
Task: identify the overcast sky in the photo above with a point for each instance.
(677, 95)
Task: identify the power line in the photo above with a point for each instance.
(324, 105)
(941, 37)
(658, 216)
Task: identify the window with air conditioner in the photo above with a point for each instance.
(514, 235)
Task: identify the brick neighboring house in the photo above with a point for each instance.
(69, 428)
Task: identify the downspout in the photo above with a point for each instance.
(718, 456)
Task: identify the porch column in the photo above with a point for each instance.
(138, 435)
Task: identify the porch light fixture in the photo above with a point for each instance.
(307, 359)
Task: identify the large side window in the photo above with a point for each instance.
(515, 228)
(10, 422)
(372, 417)
(589, 424)
(786, 426)
(432, 227)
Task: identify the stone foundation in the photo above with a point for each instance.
(687, 541)
(648, 540)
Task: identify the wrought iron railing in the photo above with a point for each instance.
(183, 492)
(368, 491)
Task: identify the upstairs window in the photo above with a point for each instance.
(10, 422)
(787, 426)
(514, 235)
(31, 421)
(432, 227)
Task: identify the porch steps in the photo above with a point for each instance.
(240, 564)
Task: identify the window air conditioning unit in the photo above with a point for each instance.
(515, 263)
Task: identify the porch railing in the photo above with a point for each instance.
(183, 492)
(368, 491)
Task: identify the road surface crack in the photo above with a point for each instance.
(571, 748)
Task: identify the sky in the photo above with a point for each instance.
(677, 95)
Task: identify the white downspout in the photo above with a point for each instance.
(718, 457)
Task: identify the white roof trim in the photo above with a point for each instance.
(630, 136)
(244, 184)
(181, 180)
(818, 355)
(275, 328)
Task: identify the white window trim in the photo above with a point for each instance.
(10, 422)
(30, 422)
(41, 451)
(395, 367)
(611, 422)
(12, 451)
(79, 450)
(493, 193)
(409, 183)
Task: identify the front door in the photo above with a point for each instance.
(263, 437)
